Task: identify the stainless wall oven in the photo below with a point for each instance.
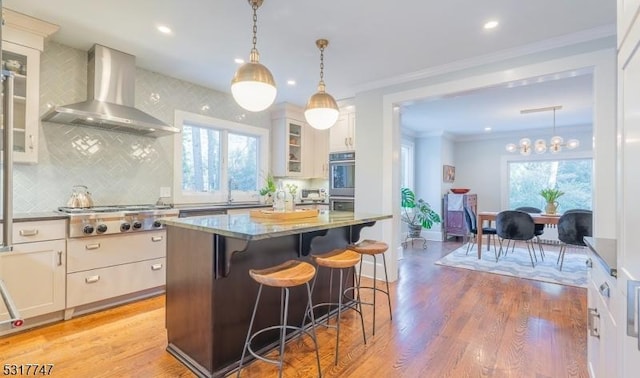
(341, 204)
(342, 168)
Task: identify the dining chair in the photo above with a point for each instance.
(516, 225)
(572, 228)
(471, 221)
(538, 229)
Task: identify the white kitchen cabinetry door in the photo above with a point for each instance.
(25, 65)
(287, 148)
(319, 158)
(34, 274)
(343, 133)
(629, 180)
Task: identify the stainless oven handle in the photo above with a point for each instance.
(14, 314)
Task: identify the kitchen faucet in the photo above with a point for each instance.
(229, 198)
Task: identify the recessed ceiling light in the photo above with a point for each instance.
(491, 24)
(487, 129)
(164, 29)
(291, 82)
(239, 60)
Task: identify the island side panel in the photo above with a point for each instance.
(189, 299)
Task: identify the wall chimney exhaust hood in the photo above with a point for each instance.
(111, 97)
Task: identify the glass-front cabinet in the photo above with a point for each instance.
(287, 148)
(23, 64)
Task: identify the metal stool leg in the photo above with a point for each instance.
(386, 279)
(246, 342)
(313, 331)
(359, 303)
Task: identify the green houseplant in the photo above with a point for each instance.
(551, 196)
(269, 188)
(417, 214)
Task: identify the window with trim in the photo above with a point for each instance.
(406, 164)
(219, 160)
(573, 176)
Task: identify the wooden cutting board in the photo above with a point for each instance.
(284, 215)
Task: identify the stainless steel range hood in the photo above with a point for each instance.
(111, 97)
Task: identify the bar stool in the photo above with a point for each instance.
(341, 259)
(373, 248)
(286, 275)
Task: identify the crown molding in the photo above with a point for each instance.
(549, 44)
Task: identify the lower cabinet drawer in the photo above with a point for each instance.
(98, 284)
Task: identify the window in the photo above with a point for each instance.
(572, 176)
(406, 164)
(219, 159)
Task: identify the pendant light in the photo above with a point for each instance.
(540, 146)
(321, 111)
(253, 86)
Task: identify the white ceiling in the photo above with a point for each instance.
(371, 43)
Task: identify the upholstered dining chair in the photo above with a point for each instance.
(514, 225)
(573, 226)
(471, 220)
(538, 229)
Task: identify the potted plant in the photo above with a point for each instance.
(417, 214)
(551, 196)
(269, 189)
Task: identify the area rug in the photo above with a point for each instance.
(518, 264)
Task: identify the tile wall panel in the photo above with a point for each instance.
(118, 168)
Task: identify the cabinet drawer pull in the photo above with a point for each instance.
(589, 263)
(156, 266)
(92, 246)
(604, 289)
(156, 238)
(92, 279)
(31, 141)
(59, 258)
(33, 232)
(592, 317)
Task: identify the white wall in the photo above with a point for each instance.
(428, 177)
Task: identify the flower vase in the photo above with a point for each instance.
(551, 208)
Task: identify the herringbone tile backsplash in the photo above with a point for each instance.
(118, 168)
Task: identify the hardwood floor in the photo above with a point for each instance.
(447, 322)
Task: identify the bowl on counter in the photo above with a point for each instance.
(459, 190)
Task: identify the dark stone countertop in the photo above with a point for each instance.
(604, 251)
(243, 226)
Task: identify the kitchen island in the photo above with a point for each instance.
(210, 295)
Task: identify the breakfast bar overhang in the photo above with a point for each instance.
(209, 294)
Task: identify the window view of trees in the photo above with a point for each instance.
(200, 159)
(243, 162)
(572, 176)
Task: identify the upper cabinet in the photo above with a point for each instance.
(23, 41)
(343, 133)
(297, 149)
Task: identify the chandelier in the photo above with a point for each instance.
(540, 146)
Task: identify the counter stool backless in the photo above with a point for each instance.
(373, 248)
(284, 276)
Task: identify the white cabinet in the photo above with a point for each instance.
(23, 40)
(287, 147)
(601, 326)
(318, 157)
(25, 100)
(34, 272)
(343, 133)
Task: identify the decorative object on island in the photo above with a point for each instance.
(269, 189)
(280, 198)
(293, 191)
(322, 110)
(540, 146)
(551, 195)
(448, 173)
(253, 86)
(417, 214)
(459, 190)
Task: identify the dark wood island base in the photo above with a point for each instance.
(210, 295)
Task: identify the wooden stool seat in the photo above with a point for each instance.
(369, 247)
(338, 258)
(288, 274)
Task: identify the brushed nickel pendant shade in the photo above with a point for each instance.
(253, 86)
(321, 111)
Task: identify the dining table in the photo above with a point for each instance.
(490, 216)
